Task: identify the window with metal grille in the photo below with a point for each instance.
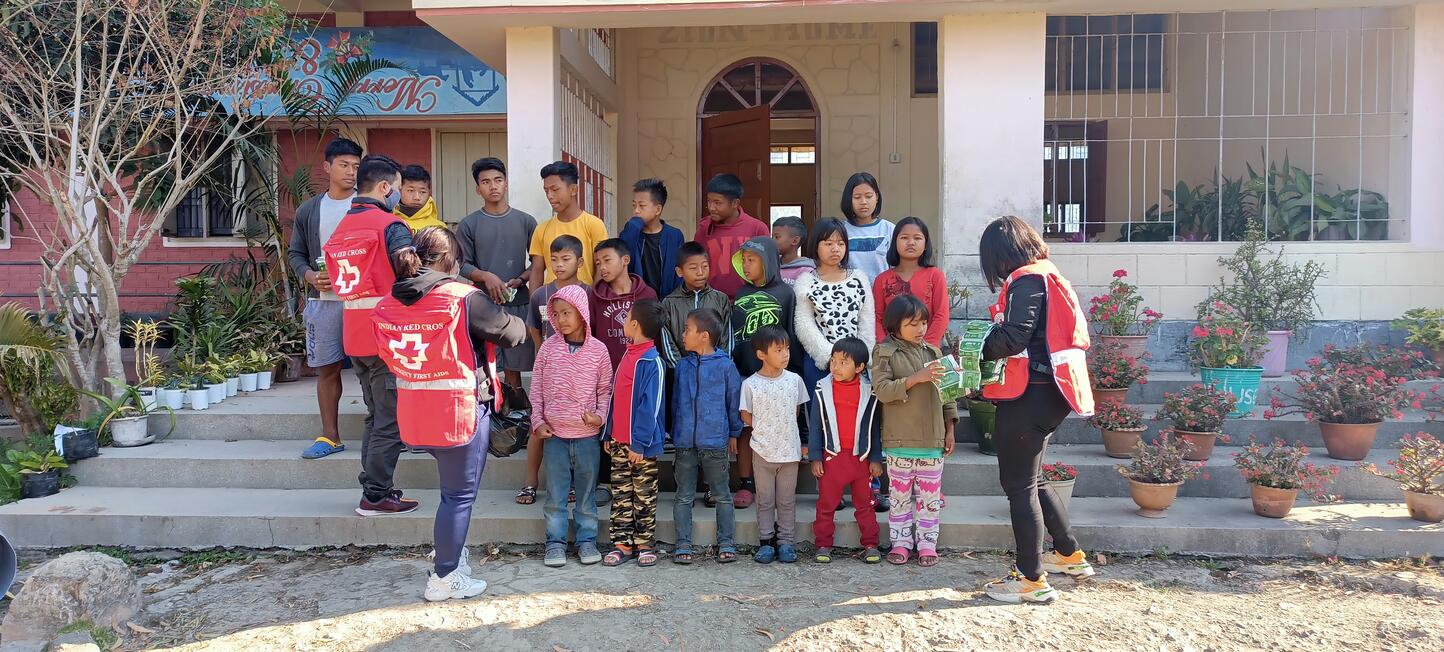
(215, 208)
(1294, 119)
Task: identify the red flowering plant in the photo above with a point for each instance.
(1223, 340)
(1334, 391)
(1419, 467)
(1161, 462)
(1120, 311)
(1059, 472)
(1199, 408)
(1116, 417)
(1110, 367)
(1395, 361)
(1284, 466)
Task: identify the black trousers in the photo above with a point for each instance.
(1023, 428)
(381, 442)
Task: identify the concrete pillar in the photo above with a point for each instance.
(1426, 138)
(533, 113)
(990, 118)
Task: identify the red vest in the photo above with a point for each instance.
(1067, 337)
(360, 273)
(427, 346)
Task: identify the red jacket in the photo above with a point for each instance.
(360, 272)
(723, 240)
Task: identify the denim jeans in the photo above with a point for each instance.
(571, 464)
(460, 469)
(714, 463)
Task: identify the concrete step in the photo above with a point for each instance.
(266, 518)
(277, 465)
(1168, 382)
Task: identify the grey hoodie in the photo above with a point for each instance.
(769, 304)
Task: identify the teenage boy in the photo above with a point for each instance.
(724, 229)
(653, 242)
(417, 207)
(358, 260)
(634, 439)
(559, 180)
(706, 425)
(494, 242)
(566, 255)
(694, 268)
(613, 295)
(844, 445)
(789, 232)
(316, 219)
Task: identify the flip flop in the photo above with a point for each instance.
(682, 556)
(928, 560)
(898, 556)
(526, 496)
(647, 557)
(617, 557)
(726, 555)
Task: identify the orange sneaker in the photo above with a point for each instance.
(1074, 565)
(1015, 588)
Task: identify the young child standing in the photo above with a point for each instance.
(770, 401)
(571, 391)
(635, 439)
(613, 295)
(790, 232)
(694, 267)
(917, 429)
(706, 422)
(912, 272)
(566, 254)
(652, 240)
(844, 446)
(834, 301)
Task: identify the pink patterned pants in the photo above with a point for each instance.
(917, 498)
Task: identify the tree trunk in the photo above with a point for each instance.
(25, 414)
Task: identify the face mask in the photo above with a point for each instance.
(392, 200)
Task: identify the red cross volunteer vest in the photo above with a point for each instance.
(1067, 338)
(427, 346)
(360, 273)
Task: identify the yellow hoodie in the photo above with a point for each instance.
(424, 217)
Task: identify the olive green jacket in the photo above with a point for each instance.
(911, 418)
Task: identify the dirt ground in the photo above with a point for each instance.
(371, 600)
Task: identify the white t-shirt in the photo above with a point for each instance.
(330, 213)
(773, 403)
(867, 247)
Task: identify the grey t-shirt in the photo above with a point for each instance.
(496, 244)
(330, 213)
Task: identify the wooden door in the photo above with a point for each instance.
(739, 142)
(451, 182)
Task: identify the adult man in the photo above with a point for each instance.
(494, 243)
(316, 219)
(359, 262)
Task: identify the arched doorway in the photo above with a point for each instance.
(757, 119)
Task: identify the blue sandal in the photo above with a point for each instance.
(321, 448)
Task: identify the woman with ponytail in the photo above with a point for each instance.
(439, 336)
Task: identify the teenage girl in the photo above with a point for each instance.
(833, 301)
(868, 234)
(912, 271)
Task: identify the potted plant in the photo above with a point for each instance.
(1348, 399)
(39, 471)
(1156, 472)
(1226, 350)
(984, 418)
(1275, 474)
(290, 349)
(250, 362)
(149, 372)
(173, 395)
(79, 440)
(265, 374)
(232, 366)
(198, 393)
(1060, 477)
(1112, 371)
(1121, 317)
(214, 373)
(1419, 470)
(1425, 328)
(127, 417)
(1121, 425)
(1274, 295)
(1197, 415)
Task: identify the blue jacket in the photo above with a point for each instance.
(822, 427)
(636, 417)
(672, 240)
(705, 401)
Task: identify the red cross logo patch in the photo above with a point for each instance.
(347, 276)
(410, 351)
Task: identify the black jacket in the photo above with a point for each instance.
(1023, 327)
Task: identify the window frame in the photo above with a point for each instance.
(240, 178)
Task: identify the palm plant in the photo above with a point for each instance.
(28, 355)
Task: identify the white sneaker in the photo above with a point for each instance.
(462, 564)
(457, 585)
(1015, 588)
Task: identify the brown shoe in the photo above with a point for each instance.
(392, 504)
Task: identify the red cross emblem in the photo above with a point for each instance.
(347, 276)
(410, 351)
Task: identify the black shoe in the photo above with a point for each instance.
(709, 500)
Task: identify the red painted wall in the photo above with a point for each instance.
(407, 146)
(391, 19)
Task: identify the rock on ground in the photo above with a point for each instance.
(75, 587)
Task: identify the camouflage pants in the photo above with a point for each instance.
(634, 501)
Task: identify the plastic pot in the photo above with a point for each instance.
(248, 382)
(199, 399)
(1153, 499)
(233, 385)
(1242, 383)
(80, 444)
(1119, 443)
(130, 432)
(174, 399)
(217, 393)
(39, 485)
(1276, 353)
(984, 418)
(263, 380)
(150, 396)
(1063, 489)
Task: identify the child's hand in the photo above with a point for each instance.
(817, 469)
(543, 431)
(804, 452)
(634, 457)
(732, 445)
(949, 441)
(591, 418)
(874, 469)
(930, 373)
(609, 446)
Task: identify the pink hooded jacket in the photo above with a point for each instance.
(564, 385)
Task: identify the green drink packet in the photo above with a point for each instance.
(966, 373)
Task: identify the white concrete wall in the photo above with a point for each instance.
(533, 113)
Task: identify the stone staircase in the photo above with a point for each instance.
(232, 476)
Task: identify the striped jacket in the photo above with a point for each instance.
(566, 384)
(822, 432)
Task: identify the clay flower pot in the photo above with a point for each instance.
(1425, 507)
(1202, 443)
(1119, 443)
(1153, 499)
(1272, 502)
(1114, 396)
(1134, 346)
(1348, 441)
